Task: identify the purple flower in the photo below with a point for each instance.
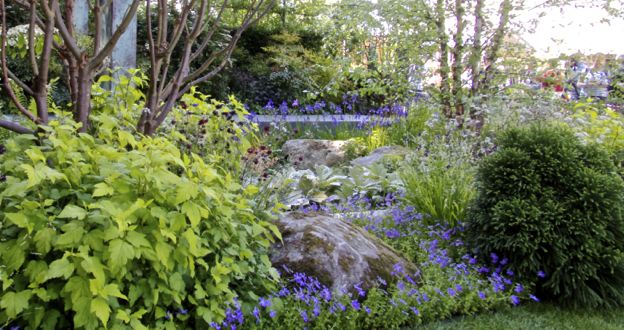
(295, 103)
(326, 294)
(481, 294)
(414, 310)
(304, 316)
(272, 314)
(355, 304)
(168, 315)
(359, 289)
(494, 257)
(368, 310)
(451, 292)
(541, 274)
(510, 272)
(504, 261)
(534, 298)
(256, 314)
(264, 303)
(519, 288)
(397, 269)
(514, 300)
(215, 326)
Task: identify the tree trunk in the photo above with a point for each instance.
(477, 48)
(444, 62)
(458, 65)
(83, 103)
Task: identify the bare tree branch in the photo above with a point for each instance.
(20, 83)
(5, 77)
(15, 127)
(54, 13)
(31, 37)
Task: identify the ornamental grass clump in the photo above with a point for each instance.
(554, 207)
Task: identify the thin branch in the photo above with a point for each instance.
(5, 77)
(20, 83)
(31, 38)
(15, 127)
(208, 37)
(108, 48)
(68, 39)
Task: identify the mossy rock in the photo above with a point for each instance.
(339, 254)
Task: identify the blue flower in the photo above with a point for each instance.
(494, 257)
(514, 300)
(264, 303)
(368, 310)
(451, 292)
(272, 314)
(355, 304)
(534, 298)
(541, 274)
(519, 288)
(481, 294)
(304, 316)
(414, 310)
(256, 314)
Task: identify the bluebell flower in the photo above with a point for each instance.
(304, 316)
(256, 314)
(494, 257)
(264, 303)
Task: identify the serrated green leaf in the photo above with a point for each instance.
(122, 315)
(101, 309)
(192, 241)
(60, 268)
(14, 303)
(43, 240)
(113, 290)
(15, 189)
(20, 220)
(137, 239)
(192, 212)
(176, 283)
(73, 212)
(119, 254)
(185, 191)
(103, 189)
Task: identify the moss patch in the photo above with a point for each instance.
(311, 241)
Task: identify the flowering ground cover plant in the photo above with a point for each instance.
(445, 285)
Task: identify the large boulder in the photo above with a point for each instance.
(379, 154)
(307, 153)
(338, 253)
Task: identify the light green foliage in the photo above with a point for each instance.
(595, 123)
(218, 132)
(115, 230)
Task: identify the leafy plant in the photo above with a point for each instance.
(554, 207)
(114, 230)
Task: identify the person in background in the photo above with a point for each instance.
(575, 74)
(596, 83)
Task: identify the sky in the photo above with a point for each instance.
(570, 29)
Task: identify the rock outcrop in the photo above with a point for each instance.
(307, 153)
(380, 154)
(339, 254)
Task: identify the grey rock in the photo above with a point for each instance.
(338, 253)
(308, 153)
(379, 154)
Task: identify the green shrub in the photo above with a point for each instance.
(111, 230)
(551, 204)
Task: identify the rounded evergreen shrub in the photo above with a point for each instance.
(119, 231)
(554, 208)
